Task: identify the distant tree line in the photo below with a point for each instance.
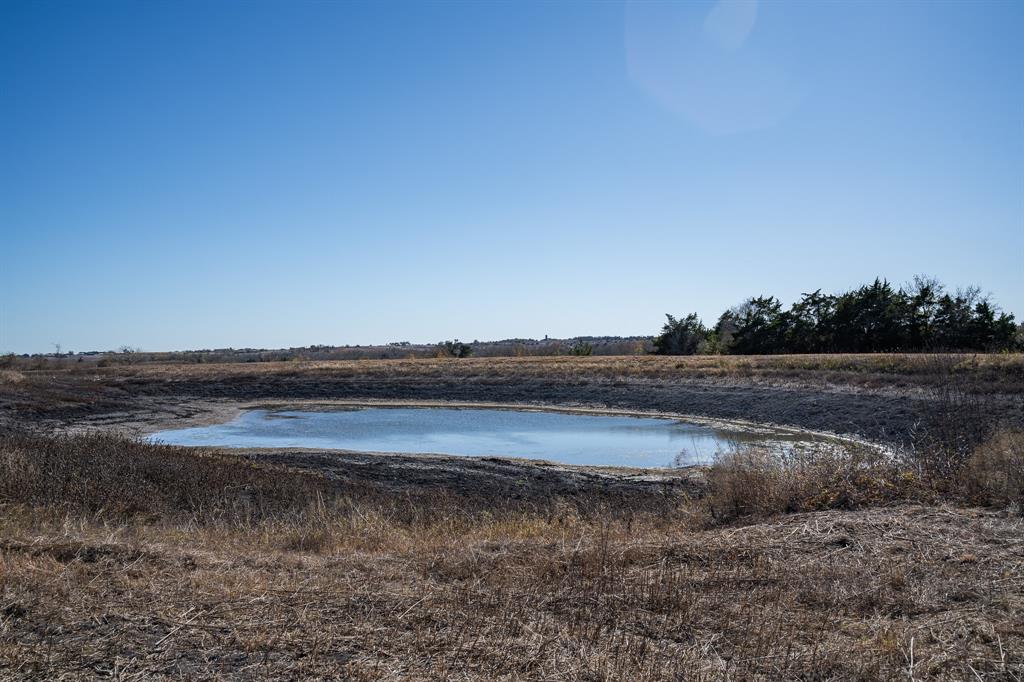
(516, 347)
(876, 317)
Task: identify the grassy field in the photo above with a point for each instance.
(135, 561)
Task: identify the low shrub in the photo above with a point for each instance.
(751, 483)
(758, 482)
(994, 474)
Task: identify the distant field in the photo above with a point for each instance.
(1002, 371)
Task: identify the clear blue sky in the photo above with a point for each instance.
(211, 174)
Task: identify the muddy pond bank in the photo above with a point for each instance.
(140, 406)
(140, 401)
(878, 398)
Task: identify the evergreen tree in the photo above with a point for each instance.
(760, 327)
(807, 331)
(681, 337)
(875, 317)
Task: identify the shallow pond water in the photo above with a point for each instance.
(569, 438)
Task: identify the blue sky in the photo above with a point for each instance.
(211, 174)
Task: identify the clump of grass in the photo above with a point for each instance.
(753, 482)
(10, 376)
(994, 474)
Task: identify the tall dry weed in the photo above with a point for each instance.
(994, 474)
(753, 482)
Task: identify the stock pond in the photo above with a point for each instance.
(569, 438)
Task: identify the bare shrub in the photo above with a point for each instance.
(994, 474)
(758, 482)
(959, 419)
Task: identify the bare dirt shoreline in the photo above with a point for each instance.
(880, 397)
(485, 476)
(140, 407)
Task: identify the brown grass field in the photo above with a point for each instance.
(133, 561)
(877, 370)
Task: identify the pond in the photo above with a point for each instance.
(569, 438)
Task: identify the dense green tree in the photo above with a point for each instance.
(681, 337)
(760, 327)
(870, 319)
(722, 336)
(989, 329)
(806, 331)
(876, 317)
(952, 322)
(923, 293)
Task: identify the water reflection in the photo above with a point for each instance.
(596, 440)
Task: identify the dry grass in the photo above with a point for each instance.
(931, 593)
(327, 580)
(994, 474)
(112, 478)
(754, 483)
(757, 483)
(8, 376)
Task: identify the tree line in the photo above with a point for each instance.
(876, 317)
